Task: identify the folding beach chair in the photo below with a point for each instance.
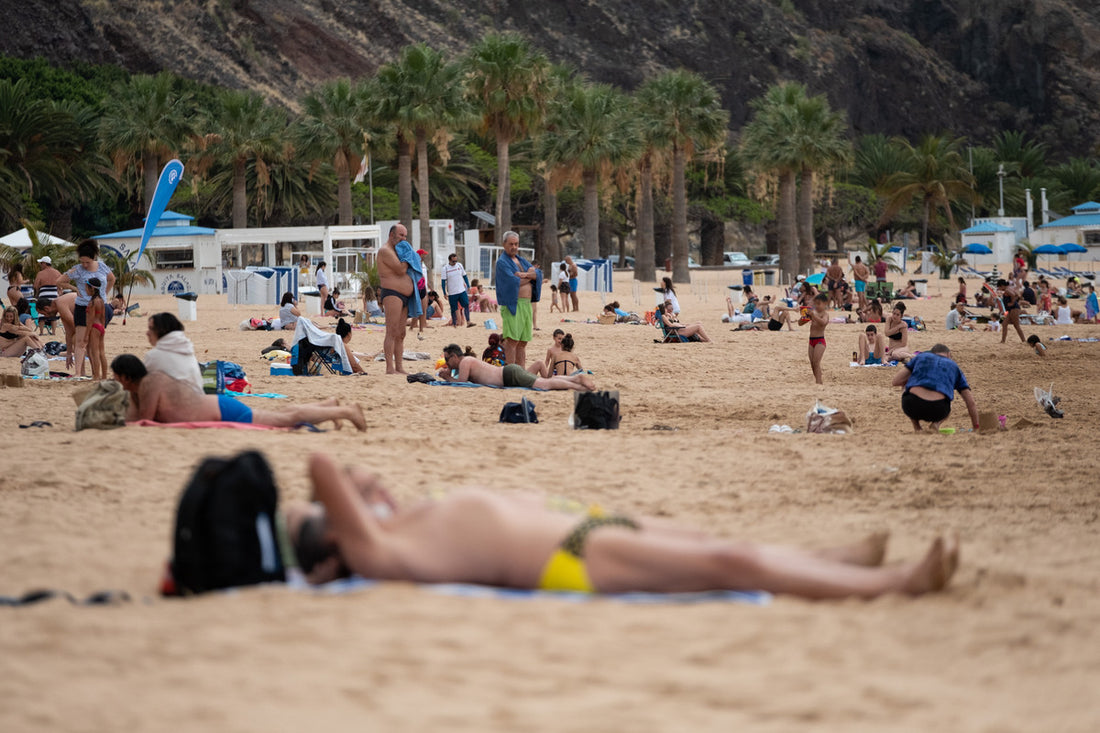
(669, 335)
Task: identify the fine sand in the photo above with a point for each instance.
(1013, 645)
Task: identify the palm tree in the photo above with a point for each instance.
(594, 134)
(422, 96)
(508, 80)
(935, 175)
(331, 129)
(765, 142)
(683, 112)
(1080, 178)
(62, 255)
(244, 130)
(123, 268)
(146, 122)
(821, 145)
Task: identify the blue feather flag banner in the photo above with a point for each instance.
(166, 186)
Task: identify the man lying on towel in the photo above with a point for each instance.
(472, 369)
(516, 541)
(158, 397)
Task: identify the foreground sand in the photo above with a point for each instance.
(1013, 646)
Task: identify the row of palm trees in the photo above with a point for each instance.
(561, 131)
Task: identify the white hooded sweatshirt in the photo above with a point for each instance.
(174, 354)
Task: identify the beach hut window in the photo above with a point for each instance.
(175, 259)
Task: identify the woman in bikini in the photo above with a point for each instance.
(15, 338)
(1010, 300)
(897, 335)
(560, 359)
(674, 326)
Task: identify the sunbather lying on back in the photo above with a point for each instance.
(512, 541)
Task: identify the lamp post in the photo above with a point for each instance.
(1001, 175)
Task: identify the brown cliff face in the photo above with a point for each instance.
(905, 67)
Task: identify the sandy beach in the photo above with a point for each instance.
(1013, 645)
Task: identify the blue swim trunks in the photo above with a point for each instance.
(233, 410)
(873, 361)
(861, 286)
(572, 284)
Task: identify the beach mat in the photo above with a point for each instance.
(441, 383)
(468, 590)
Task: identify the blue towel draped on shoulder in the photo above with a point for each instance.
(408, 255)
(507, 282)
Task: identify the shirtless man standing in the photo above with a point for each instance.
(834, 274)
(472, 369)
(396, 289)
(158, 397)
(62, 307)
(860, 274)
(574, 273)
(476, 536)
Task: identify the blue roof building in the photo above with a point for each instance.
(187, 258)
(1081, 227)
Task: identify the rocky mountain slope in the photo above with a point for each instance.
(906, 67)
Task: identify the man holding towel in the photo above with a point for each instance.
(517, 283)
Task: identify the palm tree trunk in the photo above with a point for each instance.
(343, 194)
(424, 208)
(591, 214)
(503, 211)
(680, 271)
(404, 182)
(551, 252)
(644, 269)
(926, 214)
(805, 218)
(788, 237)
(150, 163)
(240, 195)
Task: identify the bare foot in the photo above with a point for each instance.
(934, 571)
(868, 552)
(331, 401)
(357, 418)
(587, 381)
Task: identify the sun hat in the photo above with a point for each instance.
(46, 259)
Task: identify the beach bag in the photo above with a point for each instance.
(225, 534)
(519, 412)
(103, 407)
(213, 378)
(35, 364)
(596, 411)
(822, 419)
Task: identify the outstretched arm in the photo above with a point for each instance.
(971, 407)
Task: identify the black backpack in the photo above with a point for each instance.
(225, 527)
(596, 411)
(521, 412)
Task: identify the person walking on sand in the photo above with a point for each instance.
(819, 319)
(158, 397)
(505, 540)
(1010, 303)
(455, 285)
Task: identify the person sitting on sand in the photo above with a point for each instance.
(931, 379)
(288, 312)
(1037, 343)
(908, 292)
(475, 536)
(674, 326)
(494, 352)
(334, 307)
(172, 352)
(15, 338)
(872, 347)
(960, 296)
(156, 396)
(994, 323)
(872, 313)
(897, 335)
(343, 330)
(957, 318)
(981, 298)
(370, 302)
(560, 359)
(461, 368)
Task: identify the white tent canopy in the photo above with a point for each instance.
(21, 240)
